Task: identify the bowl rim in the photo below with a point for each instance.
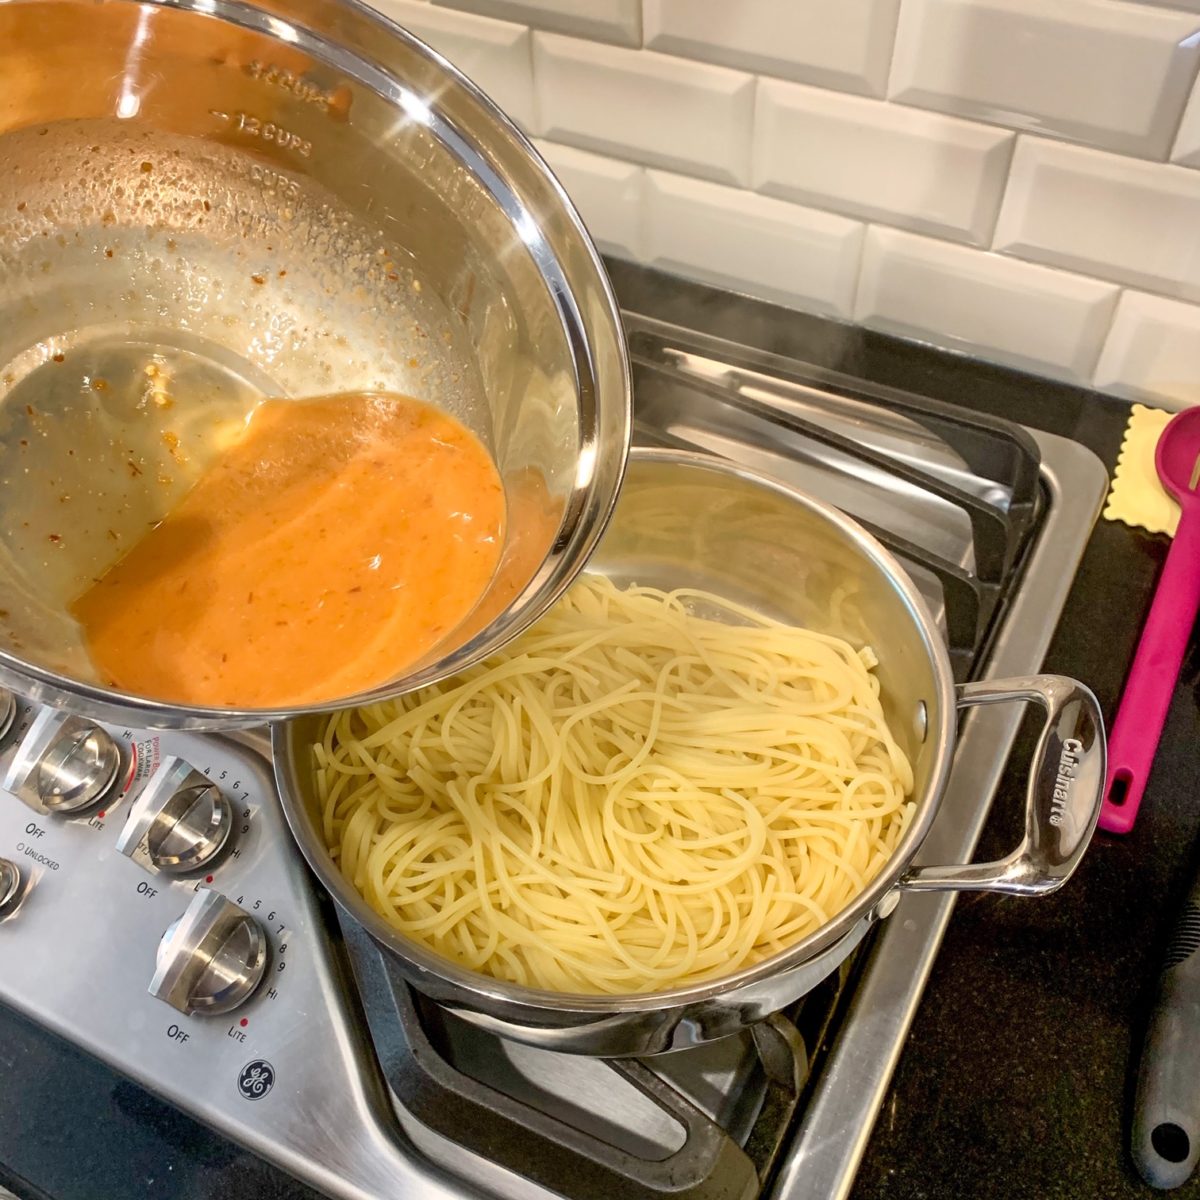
(589, 504)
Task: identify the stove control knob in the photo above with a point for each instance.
(179, 822)
(8, 711)
(63, 765)
(10, 884)
(211, 959)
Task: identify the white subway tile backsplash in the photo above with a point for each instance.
(1153, 352)
(1027, 316)
(844, 44)
(871, 159)
(749, 143)
(1102, 214)
(1111, 74)
(617, 21)
(645, 106)
(1187, 144)
(607, 193)
(777, 251)
(493, 54)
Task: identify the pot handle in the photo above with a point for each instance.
(1062, 804)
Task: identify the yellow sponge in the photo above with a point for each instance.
(1136, 496)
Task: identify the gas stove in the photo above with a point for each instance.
(155, 912)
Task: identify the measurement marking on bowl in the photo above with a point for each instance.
(289, 81)
(275, 181)
(268, 131)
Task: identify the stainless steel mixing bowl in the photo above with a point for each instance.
(206, 202)
(684, 520)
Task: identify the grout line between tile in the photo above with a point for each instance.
(535, 109)
(1178, 126)
(535, 103)
(1083, 273)
(641, 238)
(990, 241)
(887, 79)
(861, 269)
(1090, 373)
(752, 140)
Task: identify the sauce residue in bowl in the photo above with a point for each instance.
(337, 542)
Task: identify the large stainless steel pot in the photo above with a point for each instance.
(273, 197)
(685, 520)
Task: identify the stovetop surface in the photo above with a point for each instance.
(73, 1129)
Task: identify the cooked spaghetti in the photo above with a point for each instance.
(632, 797)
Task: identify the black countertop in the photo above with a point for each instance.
(1016, 1080)
(1018, 1074)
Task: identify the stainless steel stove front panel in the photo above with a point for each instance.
(78, 954)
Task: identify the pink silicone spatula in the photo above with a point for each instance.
(1147, 696)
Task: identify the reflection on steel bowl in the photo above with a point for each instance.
(273, 200)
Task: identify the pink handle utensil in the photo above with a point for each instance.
(1147, 696)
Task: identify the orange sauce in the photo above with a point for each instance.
(333, 545)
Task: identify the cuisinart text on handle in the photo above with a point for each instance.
(1068, 760)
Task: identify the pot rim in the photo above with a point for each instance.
(482, 990)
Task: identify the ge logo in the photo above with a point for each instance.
(256, 1079)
